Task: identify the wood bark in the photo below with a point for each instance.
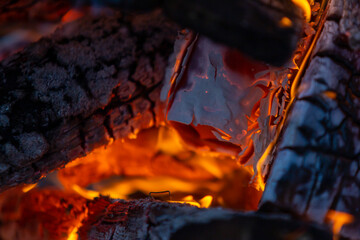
(54, 214)
(252, 26)
(316, 167)
(92, 80)
(150, 219)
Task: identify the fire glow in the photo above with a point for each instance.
(161, 159)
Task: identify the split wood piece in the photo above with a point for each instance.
(92, 80)
(151, 219)
(316, 167)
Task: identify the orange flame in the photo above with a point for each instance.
(73, 235)
(204, 202)
(28, 187)
(338, 220)
(305, 6)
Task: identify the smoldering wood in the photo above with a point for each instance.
(151, 219)
(47, 214)
(252, 26)
(316, 167)
(92, 80)
(53, 214)
(32, 10)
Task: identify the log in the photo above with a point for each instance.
(316, 165)
(57, 215)
(255, 27)
(151, 219)
(252, 26)
(93, 80)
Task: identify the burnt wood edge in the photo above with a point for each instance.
(316, 165)
(77, 89)
(151, 219)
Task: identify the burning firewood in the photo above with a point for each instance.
(91, 81)
(149, 219)
(98, 79)
(264, 30)
(316, 166)
(59, 215)
(40, 214)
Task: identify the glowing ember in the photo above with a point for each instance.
(204, 202)
(28, 187)
(338, 219)
(73, 235)
(72, 15)
(305, 6)
(193, 155)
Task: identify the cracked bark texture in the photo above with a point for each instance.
(151, 219)
(93, 80)
(316, 166)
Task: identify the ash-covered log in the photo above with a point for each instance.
(150, 219)
(316, 167)
(93, 80)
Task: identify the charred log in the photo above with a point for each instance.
(93, 80)
(149, 219)
(256, 28)
(316, 168)
(253, 27)
(55, 215)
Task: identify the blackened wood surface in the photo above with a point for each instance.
(252, 26)
(316, 167)
(92, 80)
(149, 219)
(255, 27)
(32, 10)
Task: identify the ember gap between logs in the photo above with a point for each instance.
(152, 119)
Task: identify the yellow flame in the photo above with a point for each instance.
(259, 178)
(73, 235)
(338, 219)
(88, 194)
(305, 6)
(205, 202)
(28, 187)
